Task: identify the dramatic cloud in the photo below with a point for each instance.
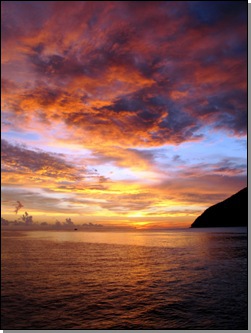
(103, 77)
(109, 86)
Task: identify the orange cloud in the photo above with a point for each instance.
(80, 77)
(113, 78)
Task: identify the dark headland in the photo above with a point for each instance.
(232, 212)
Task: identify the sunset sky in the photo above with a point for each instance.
(122, 112)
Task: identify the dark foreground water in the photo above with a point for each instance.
(190, 279)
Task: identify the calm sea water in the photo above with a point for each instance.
(190, 279)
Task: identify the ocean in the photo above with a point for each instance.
(173, 279)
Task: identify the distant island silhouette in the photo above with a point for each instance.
(232, 212)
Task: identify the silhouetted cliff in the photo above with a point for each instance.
(232, 212)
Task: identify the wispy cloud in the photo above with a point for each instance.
(25, 161)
